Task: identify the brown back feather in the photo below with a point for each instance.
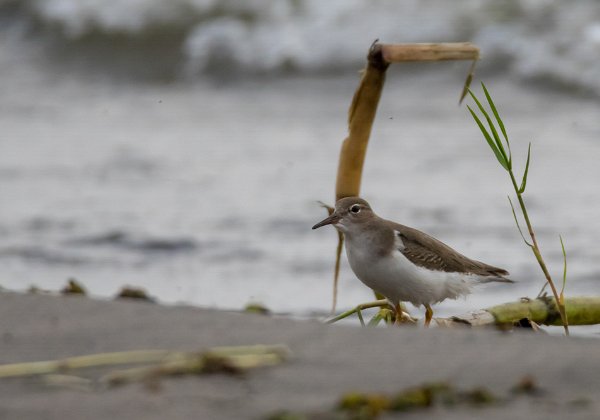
(426, 251)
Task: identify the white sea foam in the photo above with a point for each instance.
(543, 39)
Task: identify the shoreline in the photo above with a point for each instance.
(326, 362)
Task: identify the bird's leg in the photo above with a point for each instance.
(398, 310)
(402, 316)
(428, 315)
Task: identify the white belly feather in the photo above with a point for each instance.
(399, 280)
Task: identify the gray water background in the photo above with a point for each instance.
(203, 189)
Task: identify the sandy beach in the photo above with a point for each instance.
(327, 361)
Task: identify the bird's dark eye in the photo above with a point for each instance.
(355, 208)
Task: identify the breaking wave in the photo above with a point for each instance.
(546, 40)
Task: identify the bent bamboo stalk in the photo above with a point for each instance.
(360, 121)
(363, 109)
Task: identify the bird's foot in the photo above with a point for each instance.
(405, 318)
(402, 317)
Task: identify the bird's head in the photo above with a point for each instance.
(349, 212)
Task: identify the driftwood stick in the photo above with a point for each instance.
(580, 310)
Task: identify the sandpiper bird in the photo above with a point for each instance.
(402, 263)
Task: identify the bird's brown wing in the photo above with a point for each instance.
(426, 251)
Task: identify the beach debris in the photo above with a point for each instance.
(581, 402)
(427, 396)
(525, 314)
(257, 308)
(371, 406)
(129, 292)
(156, 364)
(35, 290)
(530, 313)
(528, 324)
(76, 383)
(365, 405)
(527, 385)
(73, 287)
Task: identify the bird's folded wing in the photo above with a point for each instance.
(427, 252)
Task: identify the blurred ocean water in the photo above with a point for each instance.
(125, 157)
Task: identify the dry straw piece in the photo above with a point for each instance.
(155, 364)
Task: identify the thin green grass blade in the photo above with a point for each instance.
(360, 318)
(489, 140)
(517, 222)
(465, 88)
(492, 128)
(524, 181)
(375, 320)
(495, 111)
(562, 245)
(468, 81)
(499, 120)
(542, 293)
(499, 142)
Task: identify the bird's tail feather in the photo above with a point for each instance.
(495, 279)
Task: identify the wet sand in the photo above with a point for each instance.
(327, 361)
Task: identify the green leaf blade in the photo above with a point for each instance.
(498, 141)
(499, 145)
(499, 120)
(562, 245)
(524, 180)
(495, 111)
(489, 140)
(512, 207)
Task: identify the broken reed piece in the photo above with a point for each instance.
(395, 53)
(363, 109)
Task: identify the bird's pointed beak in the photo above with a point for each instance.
(331, 220)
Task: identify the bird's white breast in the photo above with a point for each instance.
(398, 279)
